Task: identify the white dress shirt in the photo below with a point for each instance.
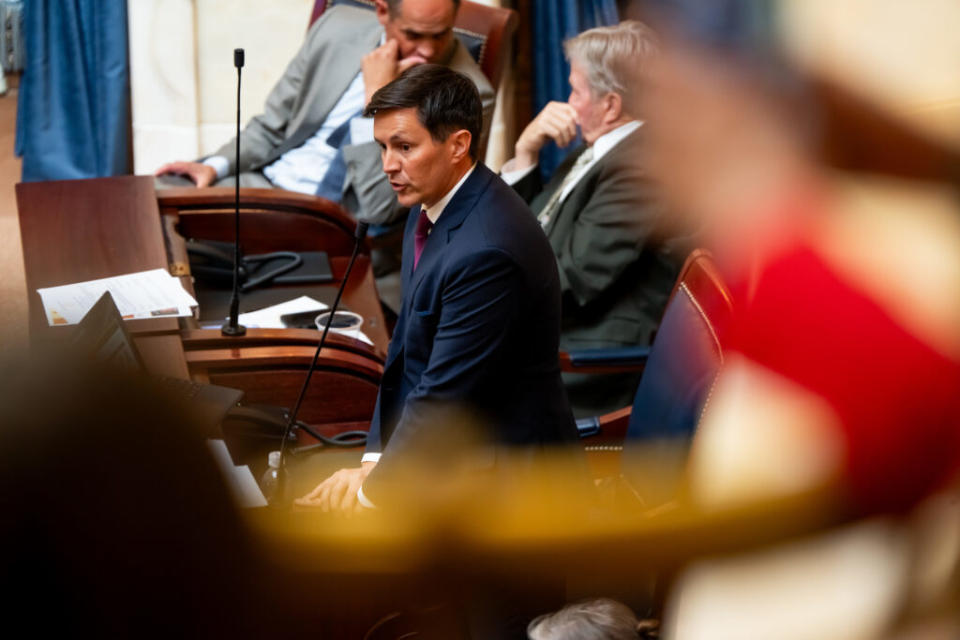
(601, 146)
(302, 169)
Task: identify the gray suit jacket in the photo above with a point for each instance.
(313, 82)
(617, 266)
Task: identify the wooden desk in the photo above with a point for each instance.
(76, 230)
(277, 220)
(80, 230)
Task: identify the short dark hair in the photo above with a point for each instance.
(394, 5)
(445, 100)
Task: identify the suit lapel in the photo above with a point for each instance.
(406, 266)
(453, 216)
(587, 178)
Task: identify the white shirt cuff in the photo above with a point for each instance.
(511, 176)
(370, 457)
(361, 130)
(220, 164)
(363, 499)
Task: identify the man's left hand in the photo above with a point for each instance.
(338, 493)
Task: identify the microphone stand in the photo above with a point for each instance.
(231, 327)
(292, 419)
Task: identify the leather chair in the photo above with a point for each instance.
(485, 31)
(680, 370)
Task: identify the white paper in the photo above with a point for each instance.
(269, 318)
(146, 294)
(246, 492)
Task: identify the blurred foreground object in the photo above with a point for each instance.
(844, 355)
(114, 513)
(842, 246)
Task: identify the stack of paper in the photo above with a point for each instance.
(147, 294)
(269, 318)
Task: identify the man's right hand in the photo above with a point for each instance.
(382, 65)
(557, 121)
(202, 175)
(338, 493)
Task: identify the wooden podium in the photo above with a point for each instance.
(79, 230)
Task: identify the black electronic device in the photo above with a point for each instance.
(103, 336)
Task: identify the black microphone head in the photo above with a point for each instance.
(238, 58)
(361, 230)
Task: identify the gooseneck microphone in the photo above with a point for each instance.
(360, 234)
(231, 327)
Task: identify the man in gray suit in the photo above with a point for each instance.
(600, 211)
(311, 136)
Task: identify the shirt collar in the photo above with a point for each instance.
(609, 140)
(433, 213)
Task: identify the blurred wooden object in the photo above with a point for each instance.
(856, 135)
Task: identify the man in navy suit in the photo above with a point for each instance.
(480, 320)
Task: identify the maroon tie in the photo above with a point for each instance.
(420, 236)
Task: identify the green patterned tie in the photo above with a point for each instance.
(554, 202)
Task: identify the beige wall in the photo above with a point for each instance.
(183, 82)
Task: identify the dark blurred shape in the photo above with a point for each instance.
(116, 521)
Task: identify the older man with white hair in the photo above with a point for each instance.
(600, 211)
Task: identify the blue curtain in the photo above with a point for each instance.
(553, 22)
(73, 114)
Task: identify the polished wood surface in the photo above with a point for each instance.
(275, 220)
(343, 387)
(309, 224)
(77, 230)
(85, 229)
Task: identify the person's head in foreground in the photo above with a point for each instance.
(599, 619)
(427, 123)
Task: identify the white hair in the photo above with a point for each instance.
(614, 58)
(599, 619)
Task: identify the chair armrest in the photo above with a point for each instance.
(617, 360)
(610, 428)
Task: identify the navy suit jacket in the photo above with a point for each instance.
(479, 327)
